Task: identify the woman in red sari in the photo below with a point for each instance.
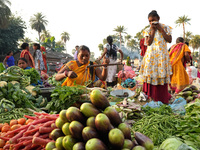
(27, 55)
(44, 57)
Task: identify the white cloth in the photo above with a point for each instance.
(112, 70)
(38, 56)
(192, 71)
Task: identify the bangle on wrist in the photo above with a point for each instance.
(66, 73)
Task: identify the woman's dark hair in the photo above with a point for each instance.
(23, 59)
(110, 39)
(154, 13)
(38, 47)
(84, 48)
(187, 43)
(180, 40)
(24, 45)
(111, 52)
(9, 53)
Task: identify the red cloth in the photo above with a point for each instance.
(157, 92)
(44, 57)
(198, 74)
(143, 47)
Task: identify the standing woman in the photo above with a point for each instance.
(39, 63)
(9, 60)
(110, 50)
(156, 67)
(27, 55)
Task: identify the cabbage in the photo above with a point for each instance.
(170, 144)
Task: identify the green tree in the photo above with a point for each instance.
(65, 37)
(120, 30)
(5, 13)
(195, 42)
(59, 46)
(183, 20)
(92, 56)
(45, 34)
(188, 36)
(10, 36)
(38, 23)
(26, 40)
(100, 46)
(73, 51)
(132, 44)
(128, 37)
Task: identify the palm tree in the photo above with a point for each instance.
(26, 40)
(65, 37)
(188, 36)
(45, 34)
(132, 44)
(120, 30)
(195, 42)
(38, 23)
(5, 13)
(183, 20)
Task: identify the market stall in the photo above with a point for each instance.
(39, 117)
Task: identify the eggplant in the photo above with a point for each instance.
(193, 87)
(196, 91)
(186, 89)
(144, 141)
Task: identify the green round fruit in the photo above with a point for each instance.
(116, 138)
(68, 142)
(63, 116)
(59, 122)
(50, 146)
(95, 144)
(58, 143)
(65, 128)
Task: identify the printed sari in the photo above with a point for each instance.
(179, 78)
(44, 57)
(26, 52)
(83, 74)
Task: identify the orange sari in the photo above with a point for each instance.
(22, 55)
(180, 78)
(83, 74)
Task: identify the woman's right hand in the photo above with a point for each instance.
(71, 74)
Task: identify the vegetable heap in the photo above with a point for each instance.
(32, 133)
(33, 74)
(64, 97)
(189, 128)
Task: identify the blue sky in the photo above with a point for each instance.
(89, 21)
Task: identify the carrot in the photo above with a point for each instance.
(17, 146)
(4, 138)
(44, 136)
(25, 138)
(30, 127)
(26, 126)
(28, 121)
(31, 117)
(51, 117)
(31, 132)
(27, 142)
(45, 129)
(27, 147)
(48, 124)
(39, 114)
(36, 134)
(14, 139)
(40, 141)
(7, 146)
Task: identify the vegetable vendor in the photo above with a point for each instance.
(76, 71)
(23, 63)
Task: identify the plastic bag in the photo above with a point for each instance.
(154, 104)
(178, 106)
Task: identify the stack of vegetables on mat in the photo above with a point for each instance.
(64, 97)
(52, 81)
(32, 134)
(95, 126)
(16, 91)
(190, 93)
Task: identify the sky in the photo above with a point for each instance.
(90, 21)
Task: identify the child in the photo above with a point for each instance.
(23, 63)
(156, 67)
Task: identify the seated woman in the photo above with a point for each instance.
(23, 63)
(76, 71)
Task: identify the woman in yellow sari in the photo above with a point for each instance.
(178, 53)
(76, 71)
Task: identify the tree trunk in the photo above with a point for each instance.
(39, 36)
(183, 31)
(120, 38)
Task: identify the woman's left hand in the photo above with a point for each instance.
(106, 61)
(158, 26)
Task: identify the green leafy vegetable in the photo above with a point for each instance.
(33, 74)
